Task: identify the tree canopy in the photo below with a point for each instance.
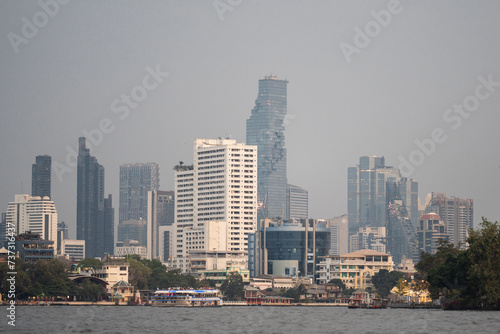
(90, 262)
(467, 279)
(385, 280)
(232, 287)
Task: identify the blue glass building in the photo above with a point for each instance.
(265, 129)
(290, 248)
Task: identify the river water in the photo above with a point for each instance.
(245, 319)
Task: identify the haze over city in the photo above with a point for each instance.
(378, 92)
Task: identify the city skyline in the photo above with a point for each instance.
(387, 101)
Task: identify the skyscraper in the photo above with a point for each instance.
(266, 130)
(40, 176)
(367, 193)
(401, 234)
(94, 214)
(379, 197)
(221, 187)
(297, 202)
(135, 182)
(409, 192)
(366, 197)
(457, 214)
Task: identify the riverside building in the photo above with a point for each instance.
(220, 187)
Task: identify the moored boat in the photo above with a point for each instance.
(187, 297)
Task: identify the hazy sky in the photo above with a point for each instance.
(357, 86)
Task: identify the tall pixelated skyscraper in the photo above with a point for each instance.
(94, 213)
(265, 129)
(40, 176)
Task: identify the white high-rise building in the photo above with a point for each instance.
(35, 214)
(221, 185)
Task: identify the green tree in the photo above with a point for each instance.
(341, 285)
(89, 291)
(338, 282)
(484, 269)
(295, 293)
(139, 274)
(385, 280)
(50, 278)
(232, 287)
(90, 262)
(401, 287)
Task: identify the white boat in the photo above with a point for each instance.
(187, 298)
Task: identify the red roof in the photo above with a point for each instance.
(430, 216)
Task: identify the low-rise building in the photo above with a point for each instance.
(123, 292)
(220, 275)
(289, 248)
(278, 282)
(255, 296)
(130, 247)
(73, 249)
(407, 266)
(354, 269)
(112, 273)
(32, 248)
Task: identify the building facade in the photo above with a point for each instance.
(401, 234)
(131, 247)
(265, 129)
(136, 180)
(379, 197)
(41, 176)
(94, 213)
(297, 202)
(354, 269)
(32, 248)
(366, 203)
(221, 185)
(74, 249)
(431, 229)
(289, 248)
(34, 214)
(457, 214)
(63, 227)
(133, 229)
(160, 212)
(368, 238)
(339, 235)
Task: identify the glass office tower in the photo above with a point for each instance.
(40, 176)
(265, 129)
